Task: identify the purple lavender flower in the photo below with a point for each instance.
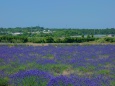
(30, 78)
(61, 81)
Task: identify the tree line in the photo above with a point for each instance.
(49, 39)
(55, 32)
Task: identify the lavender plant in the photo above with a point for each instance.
(30, 78)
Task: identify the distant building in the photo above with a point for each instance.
(48, 31)
(111, 35)
(17, 33)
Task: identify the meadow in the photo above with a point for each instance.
(57, 65)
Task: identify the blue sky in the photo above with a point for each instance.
(58, 13)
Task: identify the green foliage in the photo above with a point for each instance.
(104, 72)
(37, 31)
(4, 81)
(82, 35)
(13, 39)
(58, 68)
(88, 36)
(36, 39)
(36, 35)
(57, 40)
(109, 39)
(1, 60)
(52, 39)
(101, 40)
(92, 35)
(31, 81)
(49, 40)
(68, 40)
(54, 68)
(88, 69)
(112, 83)
(106, 39)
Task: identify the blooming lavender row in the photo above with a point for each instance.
(41, 78)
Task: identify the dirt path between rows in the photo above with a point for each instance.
(56, 44)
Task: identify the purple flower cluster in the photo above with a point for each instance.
(61, 81)
(34, 76)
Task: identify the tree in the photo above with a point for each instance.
(92, 35)
(49, 39)
(82, 36)
(88, 36)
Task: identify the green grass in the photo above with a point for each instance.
(103, 72)
(49, 56)
(4, 81)
(112, 83)
(1, 60)
(54, 68)
(88, 69)
(30, 81)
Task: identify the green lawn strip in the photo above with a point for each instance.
(104, 72)
(83, 71)
(86, 69)
(49, 56)
(12, 68)
(32, 81)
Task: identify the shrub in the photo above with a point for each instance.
(101, 40)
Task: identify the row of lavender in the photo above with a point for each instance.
(58, 65)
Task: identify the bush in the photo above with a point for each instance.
(109, 39)
(101, 40)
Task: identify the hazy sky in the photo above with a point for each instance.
(58, 13)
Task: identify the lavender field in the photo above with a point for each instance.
(76, 65)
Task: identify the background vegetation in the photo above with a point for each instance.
(55, 35)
